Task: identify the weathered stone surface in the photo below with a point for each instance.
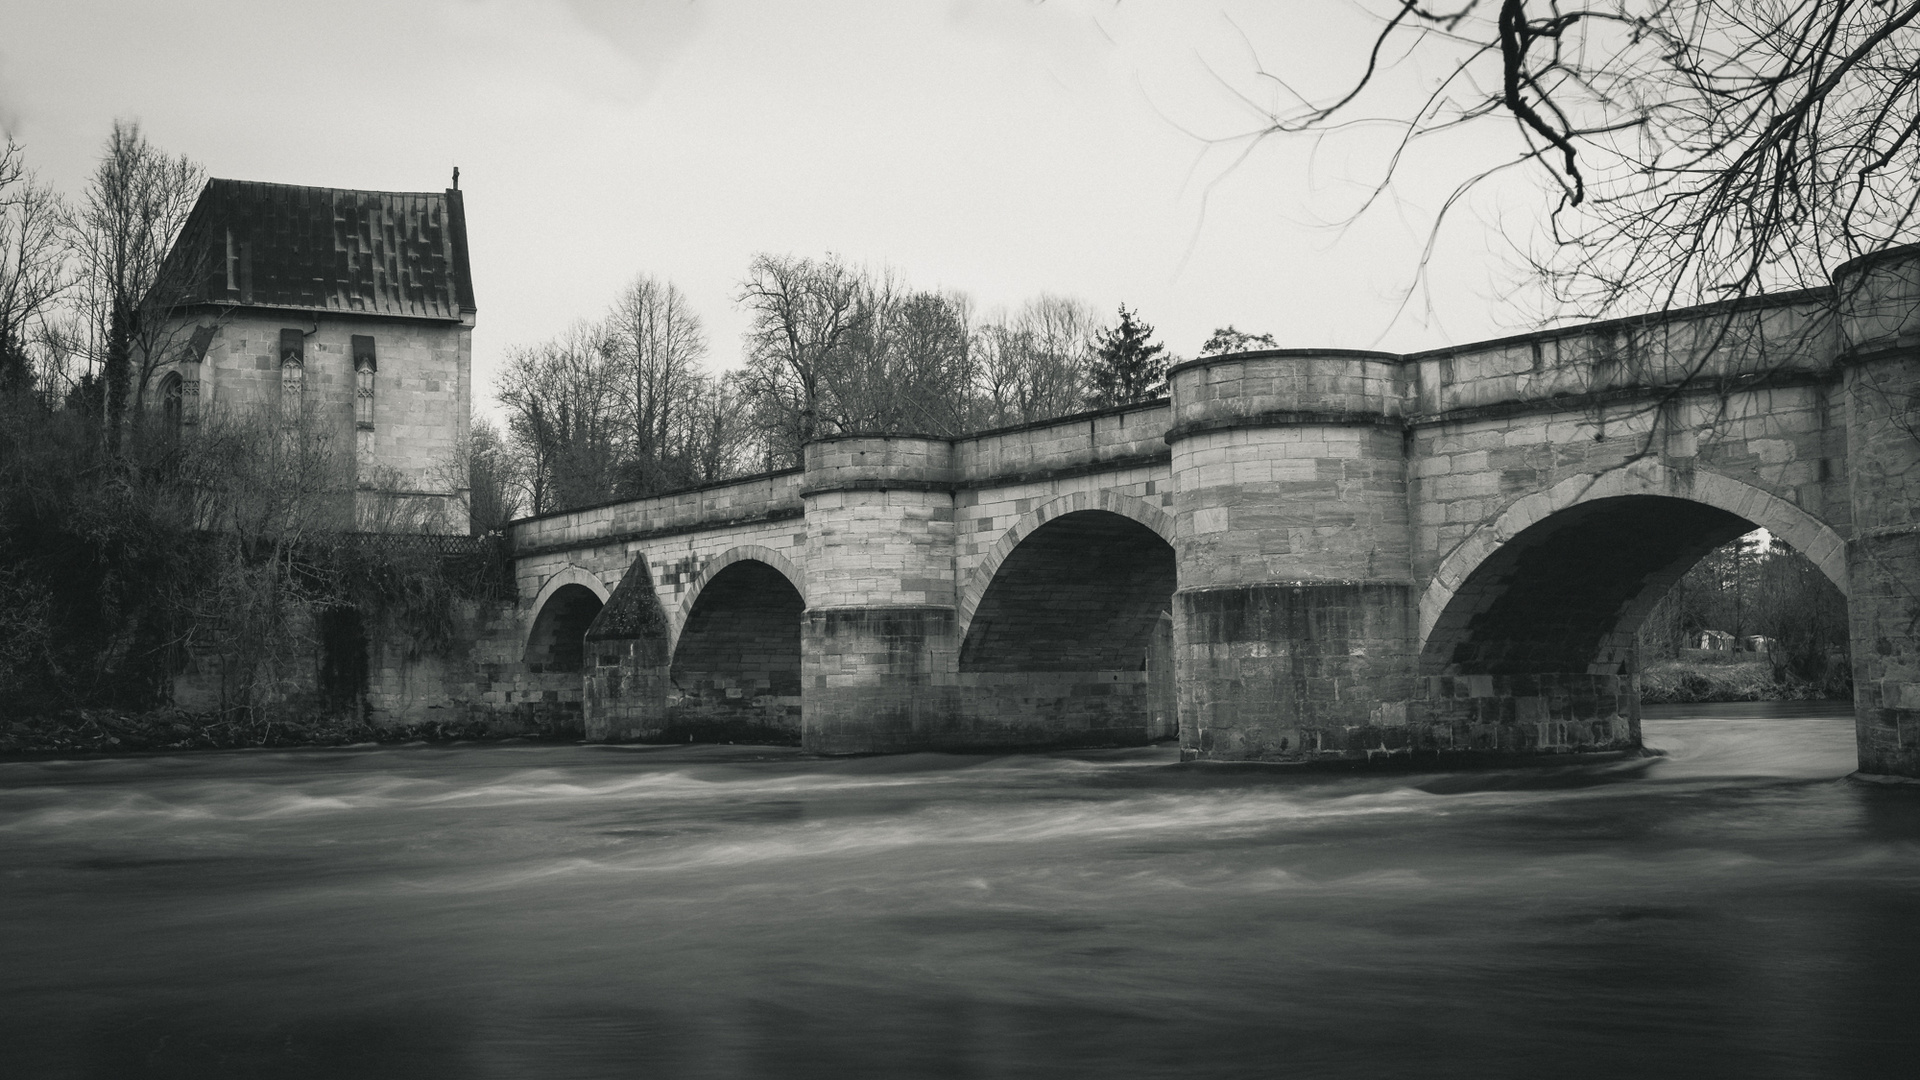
(624, 662)
(736, 670)
(395, 480)
(1370, 554)
(1292, 671)
(1880, 304)
(870, 678)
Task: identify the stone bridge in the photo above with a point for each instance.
(1300, 554)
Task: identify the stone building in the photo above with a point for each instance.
(345, 317)
(352, 308)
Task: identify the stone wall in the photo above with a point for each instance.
(1880, 316)
(405, 468)
(1522, 714)
(475, 677)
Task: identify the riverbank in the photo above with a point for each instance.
(1685, 682)
(110, 731)
(1669, 682)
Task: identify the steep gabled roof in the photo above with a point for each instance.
(392, 253)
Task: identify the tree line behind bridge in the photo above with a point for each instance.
(623, 407)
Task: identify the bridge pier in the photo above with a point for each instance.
(1293, 621)
(1879, 305)
(624, 670)
(877, 644)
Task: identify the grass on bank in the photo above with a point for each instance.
(1737, 677)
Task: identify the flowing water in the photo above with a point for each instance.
(1735, 907)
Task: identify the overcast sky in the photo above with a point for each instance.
(998, 147)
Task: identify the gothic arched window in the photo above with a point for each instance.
(364, 368)
(292, 372)
(172, 404)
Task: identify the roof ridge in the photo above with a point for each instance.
(211, 180)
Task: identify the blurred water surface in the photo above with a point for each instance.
(1734, 907)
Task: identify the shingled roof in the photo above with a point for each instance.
(391, 253)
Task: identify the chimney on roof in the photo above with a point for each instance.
(456, 178)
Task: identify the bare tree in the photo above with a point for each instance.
(491, 479)
(904, 367)
(566, 417)
(267, 494)
(933, 371)
(133, 208)
(1698, 149)
(1033, 365)
(718, 433)
(856, 390)
(654, 339)
(33, 268)
(802, 312)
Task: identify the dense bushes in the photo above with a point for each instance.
(1726, 677)
(107, 730)
(1753, 587)
(224, 541)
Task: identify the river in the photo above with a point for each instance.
(1733, 907)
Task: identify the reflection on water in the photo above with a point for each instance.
(1732, 908)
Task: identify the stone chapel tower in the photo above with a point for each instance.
(351, 309)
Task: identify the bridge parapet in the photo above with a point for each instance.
(1778, 337)
(1111, 437)
(753, 498)
(878, 463)
(1286, 385)
(1878, 297)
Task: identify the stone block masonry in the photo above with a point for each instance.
(1880, 325)
(1300, 556)
(624, 661)
(401, 469)
(735, 674)
(1293, 671)
(870, 679)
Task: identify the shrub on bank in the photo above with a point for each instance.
(108, 731)
(1692, 681)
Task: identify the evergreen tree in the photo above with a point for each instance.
(1127, 365)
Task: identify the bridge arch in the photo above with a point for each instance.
(727, 558)
(563, 609)
(1068, 635)
(1127, 506)
(1632, 532)
(735, 662)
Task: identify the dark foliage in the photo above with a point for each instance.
(1772, 592)
(101, 730)
(107, 576)
(1128, 365)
